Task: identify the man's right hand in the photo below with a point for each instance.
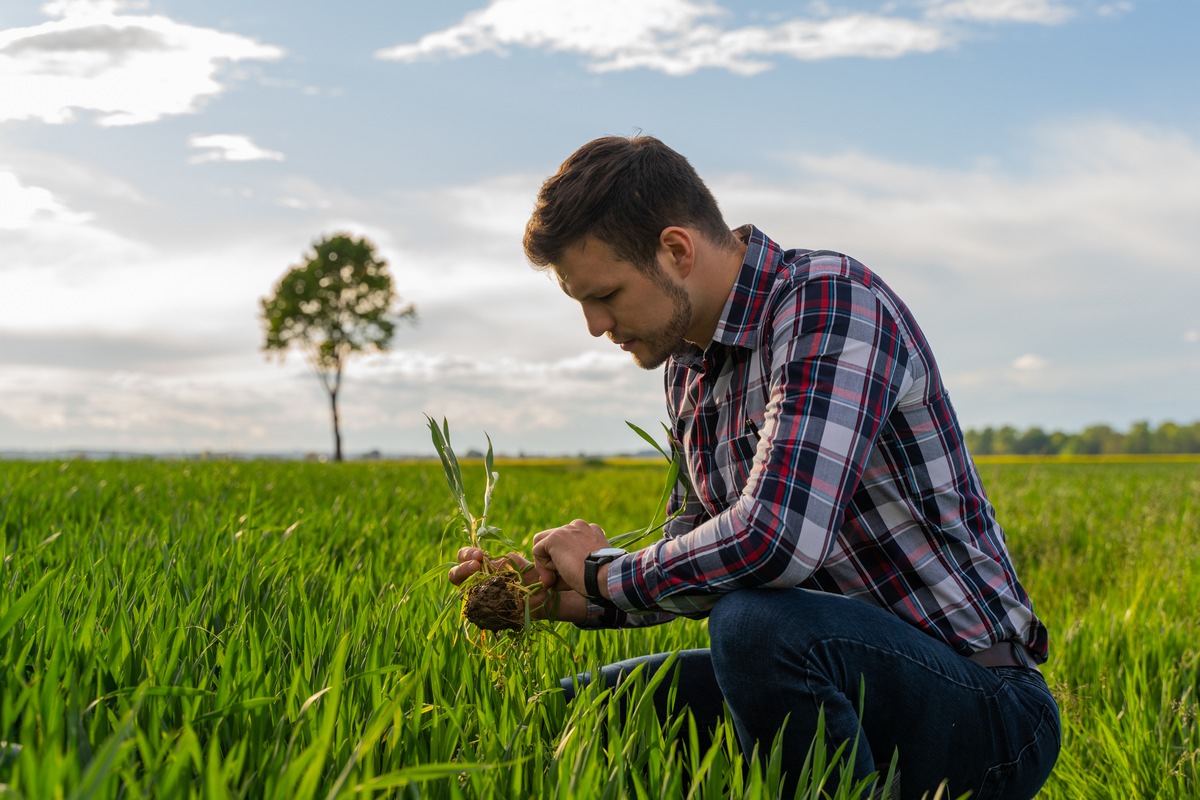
(564, 606)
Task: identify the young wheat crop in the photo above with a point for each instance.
(269, 630)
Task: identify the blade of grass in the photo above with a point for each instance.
(22, 603)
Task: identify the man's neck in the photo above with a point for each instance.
(718, 269)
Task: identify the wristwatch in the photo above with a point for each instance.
(591, 567)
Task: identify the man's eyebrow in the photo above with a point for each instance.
(563, 287)
(599, 293)
(594, 293)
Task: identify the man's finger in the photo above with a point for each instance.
(470, 554)
(462, 571)
(548, 578)
(517, 560)
(547, 575)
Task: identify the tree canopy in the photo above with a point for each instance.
(337, 303)
(1141, 438)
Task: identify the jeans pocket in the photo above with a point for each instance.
(1021, 675)
(1022, 777)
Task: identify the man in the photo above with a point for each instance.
(836, 533)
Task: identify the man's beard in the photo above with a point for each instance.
(667, 340)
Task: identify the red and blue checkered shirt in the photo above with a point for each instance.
(823, 452)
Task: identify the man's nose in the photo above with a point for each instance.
(599, 321)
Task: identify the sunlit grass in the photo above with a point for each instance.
(215, 629)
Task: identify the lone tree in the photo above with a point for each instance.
(339, 302)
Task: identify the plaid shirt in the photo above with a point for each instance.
(823, 452)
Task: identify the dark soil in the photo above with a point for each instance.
(496, 603)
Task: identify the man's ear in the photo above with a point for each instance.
(677, 250)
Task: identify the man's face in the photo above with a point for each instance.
(647, 316)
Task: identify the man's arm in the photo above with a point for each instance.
(558, 558)
(839, 363)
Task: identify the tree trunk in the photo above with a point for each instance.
(337, 431)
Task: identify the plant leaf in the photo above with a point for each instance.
(649, 439)
(441, 442)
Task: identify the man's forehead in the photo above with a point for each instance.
(586, 265)
(574, 288)
(562, 284)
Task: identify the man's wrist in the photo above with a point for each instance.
(595, 574)
(602, 581)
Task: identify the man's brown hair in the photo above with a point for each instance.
(624, 191)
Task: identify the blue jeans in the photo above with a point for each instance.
(780, 654)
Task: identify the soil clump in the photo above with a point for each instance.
(496, 603)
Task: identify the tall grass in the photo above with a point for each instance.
(1111, 552)
(215, 629)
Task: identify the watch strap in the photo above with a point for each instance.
(591, 579)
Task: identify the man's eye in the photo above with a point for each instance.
(604, 298)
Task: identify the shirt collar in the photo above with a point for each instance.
(739, 322)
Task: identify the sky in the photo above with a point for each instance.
(1024, 173)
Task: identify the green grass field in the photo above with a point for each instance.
(217, 629)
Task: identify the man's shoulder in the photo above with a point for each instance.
(779, 265)
(802, 264)
(800, 275)
(779, 283)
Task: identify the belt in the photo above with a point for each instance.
(1004, 654)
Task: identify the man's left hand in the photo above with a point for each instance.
(558, 553)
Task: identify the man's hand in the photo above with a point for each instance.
(559, 553)
(561, 606)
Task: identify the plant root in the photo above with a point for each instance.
(496, 603)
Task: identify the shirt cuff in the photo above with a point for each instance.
(599, 616)
(627, 591)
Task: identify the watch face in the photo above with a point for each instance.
(606, 552)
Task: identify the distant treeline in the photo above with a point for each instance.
(1142, 437)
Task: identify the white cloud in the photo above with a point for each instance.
(1042, 12)
(128, 69)
(229, 147)
(21, 205)
(496, 206)
(738, 50)
(1030, 362)
(67, 271)
(47, 242)
(303, 204)
(74, 8)
(1094, 195)
(1191, 336)
(1030, 371)
(595, 27)
(677, 37)
(1115, 9)
(142, 411)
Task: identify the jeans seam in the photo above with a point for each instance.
(889, 653)
(1003, 772)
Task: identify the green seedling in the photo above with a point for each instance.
(498, 598)
(675, 475)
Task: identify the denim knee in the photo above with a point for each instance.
(729, 618)
(758, 616)
(745, 627)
